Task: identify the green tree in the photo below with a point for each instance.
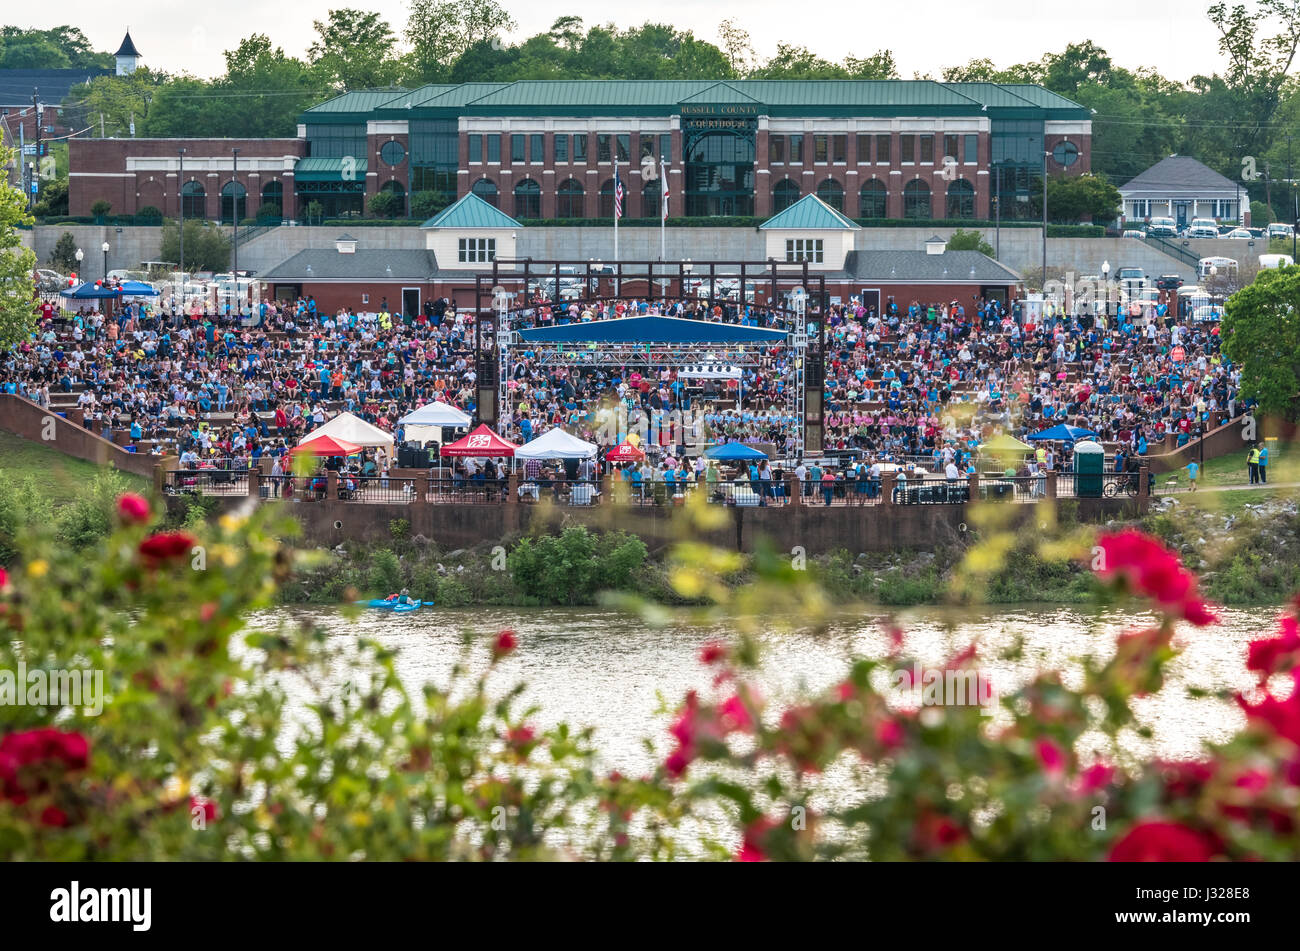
(439, 31)
(355, 50)
(63, 258)
(17, 263)
(119, 99)
(263, 91)
(385, 205)
(1260, 214)
(53, 199)
(798, 62)
(969, 241)
(426, 204)
(1261, 334)
(1075, 198)
(63, 47)
(100, 207)
(207, 248)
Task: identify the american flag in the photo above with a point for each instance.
(663, 189)
(618, 196)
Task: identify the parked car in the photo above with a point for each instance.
(1203, 228)
(1279, 230)
(1169, 282)
(50, 282)
(1134, 233)
(1162, 228)
(1258, 232)
(1238, 234)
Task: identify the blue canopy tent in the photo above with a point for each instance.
(1063, 433)
(734, 452)
(136, 289)
(88, 291)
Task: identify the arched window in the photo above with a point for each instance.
(916, 200)
(785, 194)
(394, 187)
(272, 202)
(569, 199)
(873, 200)
(650, 207)
(486, 189)
(234, 203)
(528, 199)
(194, 201)
(961, 199)
(607, 199)
(832, 192)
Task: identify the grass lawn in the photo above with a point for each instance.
(62, 478)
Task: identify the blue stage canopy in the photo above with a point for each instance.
(88, 291)
(734, 451)
(653, 330)
(1063, 433)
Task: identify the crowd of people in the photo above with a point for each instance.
(915, 381)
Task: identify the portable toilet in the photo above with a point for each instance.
(1089, 465)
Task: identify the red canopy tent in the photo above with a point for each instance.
(624, 452)
(481, 442)
(327, 446)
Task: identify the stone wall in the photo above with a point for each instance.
(24, 418)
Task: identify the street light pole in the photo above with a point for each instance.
(104, 248)
(180, 203)
(997, 224)
(1045, 154)
(234, 216)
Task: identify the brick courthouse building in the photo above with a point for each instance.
(889, 149)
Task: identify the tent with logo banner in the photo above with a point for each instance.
(482, 442)
(353, 429)
(624, 452)
(557, 444)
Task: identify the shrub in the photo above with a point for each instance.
(385, 576)
(574, 566)
(149, 215)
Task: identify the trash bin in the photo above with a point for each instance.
(1089, 464)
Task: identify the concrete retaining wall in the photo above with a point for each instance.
(24, 418)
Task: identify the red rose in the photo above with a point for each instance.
(752, 846)
(1277, 653)
(199, 806)
(54, 817)
(1161, 842)
(44, 750)
(504, 644)
(734, 715)
(889, 734)
(1095, 777)
(4, 579)
(1051, 756)
(166, 546)
(1282, 715)
(133, 509)
(1153, 571)
(712, 653)
(676, 763)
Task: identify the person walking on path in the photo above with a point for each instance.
(1193, 470)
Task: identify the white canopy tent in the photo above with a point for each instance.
(426, 423)
(352, 429)
(556, 444)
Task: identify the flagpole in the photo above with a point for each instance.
(616, 214)
(663, 211)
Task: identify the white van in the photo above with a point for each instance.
(1219, 265)
(1275, 260)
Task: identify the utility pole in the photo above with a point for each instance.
(36, 112)
(234, 216)
(180, 220)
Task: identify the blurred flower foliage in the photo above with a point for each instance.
(216, 742)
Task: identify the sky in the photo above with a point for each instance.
(1173, 36)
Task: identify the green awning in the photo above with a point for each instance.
(329, 170)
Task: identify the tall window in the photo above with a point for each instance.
(803, 249)
(873, 199)
(580, 147)
(603, 153)
(517, 149)
(568, 199)
(864, 149)
(650, 207)
(882, 150)
(1141, 208)
(194, 200)
(234, 202)
(839, 148)
(819, 148)
(561, 148)
(961, 199)
(272, 194)
(666, 147)
(494, 148)
(624, 144)
(916, 200)
(785, 194)
(951, 148)
(796, 150)
(537, 148)
(907, 149)
(475, 149)
(528, 199)
(972, 150)
(927, 150)
(776, 149)
(476, 250)
(486, 189)
(831, 192)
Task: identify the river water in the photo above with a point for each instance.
(604, 669)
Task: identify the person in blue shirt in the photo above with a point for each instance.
(1262, 466)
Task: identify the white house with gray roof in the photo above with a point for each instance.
(1182, 188)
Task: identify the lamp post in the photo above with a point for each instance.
(80, 254)
(180, 208)
(1045, 154)
(234, 220)
(1105, 280)
(104, 248)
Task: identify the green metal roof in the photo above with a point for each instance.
(350, 107)
(777, 97)
(809, 213)
(326, 170)
(471, 212)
